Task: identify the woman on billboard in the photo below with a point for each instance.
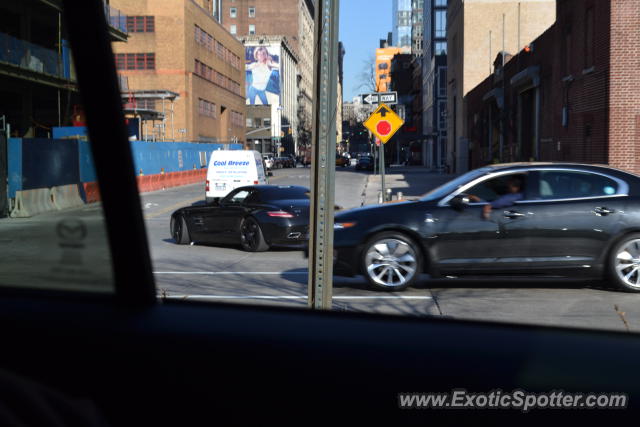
(260, 73)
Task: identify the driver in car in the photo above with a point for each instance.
(514, 193)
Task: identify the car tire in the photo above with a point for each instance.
(399, 254)
(179, 230)
(251, 237)
(623, 263)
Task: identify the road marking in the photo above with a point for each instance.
(214, 273)
(174, 207)
(294, 297)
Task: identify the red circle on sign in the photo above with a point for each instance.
(383, 127)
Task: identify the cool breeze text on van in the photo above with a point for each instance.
(229, 163)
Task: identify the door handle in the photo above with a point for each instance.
(603, 211)
(198, 221)
(513, 214)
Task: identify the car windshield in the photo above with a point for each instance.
(436, 94)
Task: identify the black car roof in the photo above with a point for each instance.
(273, 187)
(568, 165)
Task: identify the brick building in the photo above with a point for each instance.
(571, 96)
(178, 46)
(476, 32)
(292, 19)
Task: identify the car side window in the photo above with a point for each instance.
(574, 184)
(238, 197)
(490, 189)
(252, 198)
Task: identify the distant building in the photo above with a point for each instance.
(475, 33)
(292, 19)
(434, 84)
(401, 24)
(572, 95)
(383, 67)
(178, 47)
(407, 26)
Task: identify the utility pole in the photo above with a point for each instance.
(325, 61)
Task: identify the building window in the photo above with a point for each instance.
(589, 38)
(233, 29)
(233, 12)
(141, 24)
(442, 82)
(441, 24)
(204, 39)
(441, 48)
(207, 108)
(441, 3)
(252, 29)
(252, 12)
(136, 61)
(249, 122)
(266, 122)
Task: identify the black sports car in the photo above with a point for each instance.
(567, 220)
(256, 216)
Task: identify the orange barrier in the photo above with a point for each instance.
(92, 192)
(147, 183)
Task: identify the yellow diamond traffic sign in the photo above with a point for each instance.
(383, 123)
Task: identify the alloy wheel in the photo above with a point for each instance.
(391, 262)
(627, 263)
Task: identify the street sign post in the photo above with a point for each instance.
(383, 123)
(323, 169)
(389, 98)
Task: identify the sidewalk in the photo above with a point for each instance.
(412, 181)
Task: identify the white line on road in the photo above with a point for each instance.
(358, 297)
(214, 273)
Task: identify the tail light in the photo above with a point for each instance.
(255, 182)
(280, 214)
(206, 188)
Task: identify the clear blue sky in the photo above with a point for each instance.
(362, 24)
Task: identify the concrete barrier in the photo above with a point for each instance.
(32, 202)
(67, 197)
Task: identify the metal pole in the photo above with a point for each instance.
(325, 91)
(384, 193)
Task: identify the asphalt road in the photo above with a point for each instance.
(37, 252)
(279, 276)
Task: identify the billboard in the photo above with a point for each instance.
(262, 64)
(383, 67)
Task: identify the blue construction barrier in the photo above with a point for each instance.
(44, 163)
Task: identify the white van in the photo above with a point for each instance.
(230, 169)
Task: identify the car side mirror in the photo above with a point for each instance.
(460, 202)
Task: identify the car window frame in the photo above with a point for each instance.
(622, 191)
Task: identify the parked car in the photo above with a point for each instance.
(365, 163)
(294, 160)
(256, 217)
(342, 161)
(286, 161)
(574, 221)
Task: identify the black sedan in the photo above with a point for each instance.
(570, 221)
(256, 217)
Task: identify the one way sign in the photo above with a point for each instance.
(389, 98)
